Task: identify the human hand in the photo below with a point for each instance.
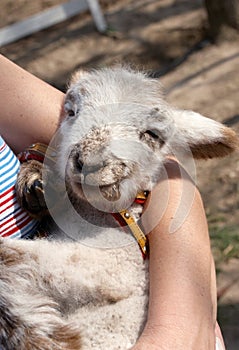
(155, 342)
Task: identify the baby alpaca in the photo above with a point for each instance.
(86, 285)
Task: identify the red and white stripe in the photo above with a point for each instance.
(14, 221)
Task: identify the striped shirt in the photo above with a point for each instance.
(14, 221)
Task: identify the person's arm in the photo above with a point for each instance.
(30, 112)
(30, 108)
(182, 305)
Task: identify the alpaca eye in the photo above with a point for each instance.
(152, 133)
(71, 113)
(71, 108)
(153, 138)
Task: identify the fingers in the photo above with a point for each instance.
(219, 345)
(219, 339)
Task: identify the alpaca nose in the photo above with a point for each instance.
(89, 169)
(86, 169)
(79, 165)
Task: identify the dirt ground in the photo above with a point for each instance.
(159, 36)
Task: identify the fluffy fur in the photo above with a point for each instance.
(86, 287)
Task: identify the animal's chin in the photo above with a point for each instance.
(107, 198)
(110, 192)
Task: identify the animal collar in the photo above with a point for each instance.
(125, 219)
(39, 151)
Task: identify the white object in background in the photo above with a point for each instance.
(52, 16)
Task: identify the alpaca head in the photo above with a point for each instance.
(118, 131)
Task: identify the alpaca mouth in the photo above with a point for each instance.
(92, 184)
(111, 192)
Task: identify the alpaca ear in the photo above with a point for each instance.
(73, 101)
(205, 137)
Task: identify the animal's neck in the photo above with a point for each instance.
(83, 222)
(77, 220)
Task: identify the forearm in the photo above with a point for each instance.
(182, 281)
(31, 109)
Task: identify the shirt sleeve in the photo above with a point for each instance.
(14, 221)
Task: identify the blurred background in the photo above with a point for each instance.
(193, 48)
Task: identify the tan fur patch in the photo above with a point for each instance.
(10, 256)
(95, 139)
(67, 337)
(62, 338)
(221, 148)
(231, 138)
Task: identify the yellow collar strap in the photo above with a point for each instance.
(133, 226)
(136, 231)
